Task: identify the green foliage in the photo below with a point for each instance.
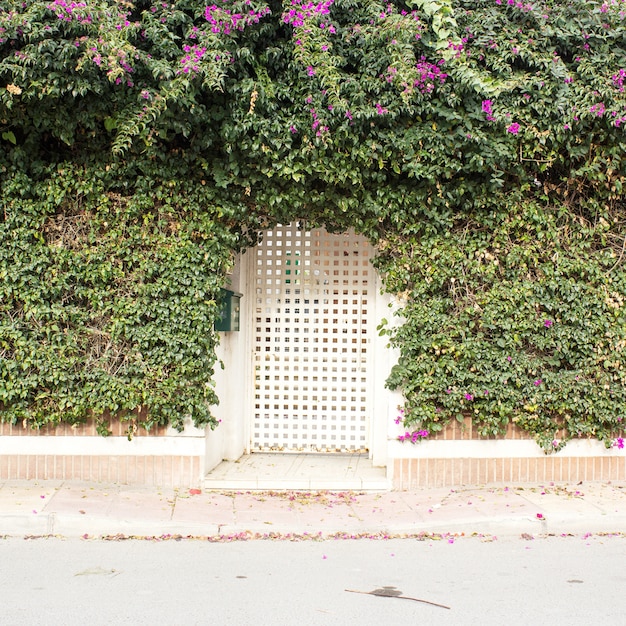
(479, 144)
(108, 298)
(513, 316)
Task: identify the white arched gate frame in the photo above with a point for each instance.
(312, 312)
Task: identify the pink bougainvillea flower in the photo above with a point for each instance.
(619, 79)
(598, 109)
(548, 323)
(469, 397)
(537, 382)
(486, 107)
(415, 436)
(513, 128)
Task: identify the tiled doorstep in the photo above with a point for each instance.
(332, 472)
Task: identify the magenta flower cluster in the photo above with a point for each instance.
(618, 79)
(112, 63)
(415, 436)
(65, 11)
(300, 11)
(317, 125)
(517, 4)
(391, 74)
(77, 11)
(429, 74)
(598, 109)
(97, 57)
(225, 22)
(488, 110)
(190, 61)
(618, 443)
(618, 120)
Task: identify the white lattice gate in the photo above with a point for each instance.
(314, 292)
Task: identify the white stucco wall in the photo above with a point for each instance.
(232, 384)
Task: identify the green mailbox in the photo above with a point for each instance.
(229, 310)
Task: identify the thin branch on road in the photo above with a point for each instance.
(388, 593)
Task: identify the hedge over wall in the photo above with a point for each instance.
(479, 144)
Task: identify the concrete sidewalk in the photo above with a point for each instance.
(69, 509)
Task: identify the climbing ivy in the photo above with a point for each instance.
(108, 300)
(478, 144)
(513, 317)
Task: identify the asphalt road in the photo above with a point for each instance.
(556, 580)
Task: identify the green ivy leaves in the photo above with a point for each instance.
(478, 145)
(520, 322)
(108, 301)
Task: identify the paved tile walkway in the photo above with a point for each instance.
(29, 508)
(335, 472)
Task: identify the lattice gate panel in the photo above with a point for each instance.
(313, 296)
